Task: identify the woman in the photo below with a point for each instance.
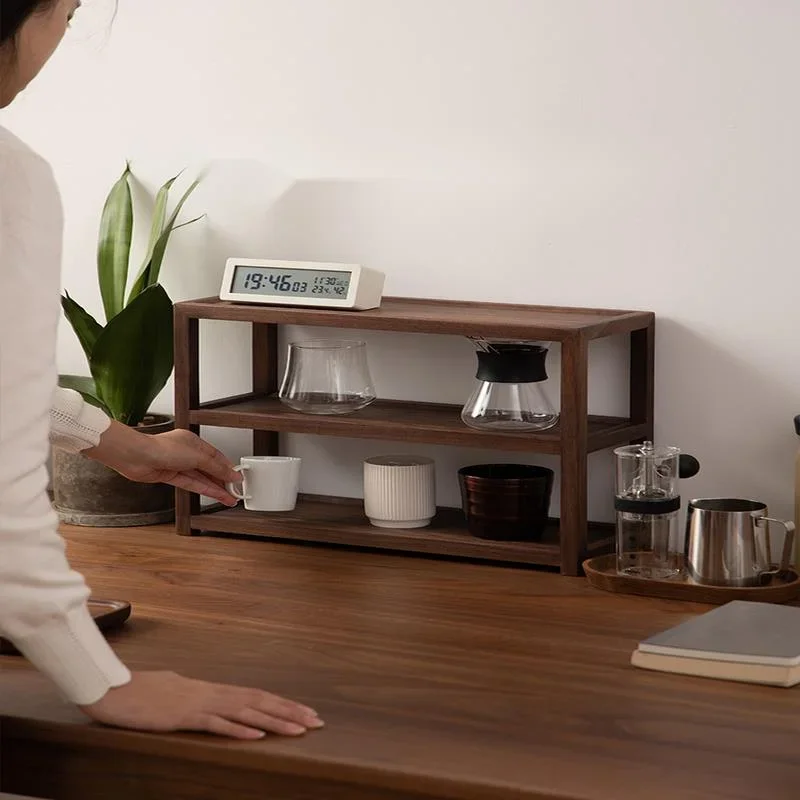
(42, 601)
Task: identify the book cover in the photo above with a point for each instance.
(739, 631)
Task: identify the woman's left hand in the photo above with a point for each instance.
(179, 458)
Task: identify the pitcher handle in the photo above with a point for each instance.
(788, 544)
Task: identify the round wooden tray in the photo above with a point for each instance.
(601, 572)
(108, 614)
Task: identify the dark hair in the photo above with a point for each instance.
(13, 14)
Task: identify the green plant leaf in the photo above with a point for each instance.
(187, 224)
(159, 218)
(114, 247)
(86, 327)
(133, 356)
(152, 270)
(85, 386)
(142, 281)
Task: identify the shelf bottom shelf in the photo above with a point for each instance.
(341, 521)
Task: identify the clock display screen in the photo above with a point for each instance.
(277, 282)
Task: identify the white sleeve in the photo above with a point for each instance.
(43, 606)
(75, 425)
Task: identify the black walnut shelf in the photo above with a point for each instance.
(398, 420)
(341, 521)
(417, 315)
(572, 538)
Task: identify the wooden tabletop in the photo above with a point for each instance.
(436, 680)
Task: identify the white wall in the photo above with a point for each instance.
(625, 153)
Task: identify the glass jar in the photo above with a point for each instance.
(509, 395)
(327, 376)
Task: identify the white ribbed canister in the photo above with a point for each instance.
(400, 491)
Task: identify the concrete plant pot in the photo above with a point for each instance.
(90, 494)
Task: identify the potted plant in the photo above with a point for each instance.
(130, 360)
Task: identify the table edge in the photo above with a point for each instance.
(258, 758)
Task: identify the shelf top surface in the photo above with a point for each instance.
(417, 315)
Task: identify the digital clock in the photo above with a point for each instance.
(302, 283)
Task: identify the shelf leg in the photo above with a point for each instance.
(265, 381)
(187, 397)
(574, 445)
(642, 378)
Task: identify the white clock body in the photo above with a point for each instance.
(304, 284)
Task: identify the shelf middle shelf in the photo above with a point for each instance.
(398, 420)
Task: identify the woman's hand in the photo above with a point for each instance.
(160, 702)
(179, 458)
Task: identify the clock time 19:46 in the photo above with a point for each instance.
(286, 283)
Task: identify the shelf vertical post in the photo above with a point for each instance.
(642, 377)
(265, 381)
(574, 446)
(187, 398)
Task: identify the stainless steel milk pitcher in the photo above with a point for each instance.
(728, 543)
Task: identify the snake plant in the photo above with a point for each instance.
(130, 357)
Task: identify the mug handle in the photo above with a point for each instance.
(788, 544)
(232, 487)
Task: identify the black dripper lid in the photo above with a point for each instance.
(513, 363)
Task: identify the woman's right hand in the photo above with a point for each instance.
(163, 701)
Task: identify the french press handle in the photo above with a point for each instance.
(688, 466)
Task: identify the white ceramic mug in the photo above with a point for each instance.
(270, 483)
(400, 491)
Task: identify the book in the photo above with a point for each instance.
(739, 641)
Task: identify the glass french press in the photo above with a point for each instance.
(647, 504)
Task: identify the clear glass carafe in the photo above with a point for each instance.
(327, 376)
(647, 504)
(509, 395)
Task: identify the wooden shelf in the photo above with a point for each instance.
(341, 521)
(416, 315)
(577, 434)
(401, 421)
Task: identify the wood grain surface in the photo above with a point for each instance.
(601, 572)
(421, 315)
(404, 421)
(436, 679)
(341, 521)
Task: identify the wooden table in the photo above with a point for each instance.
(436, 679)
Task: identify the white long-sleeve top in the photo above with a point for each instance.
(43, 607)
